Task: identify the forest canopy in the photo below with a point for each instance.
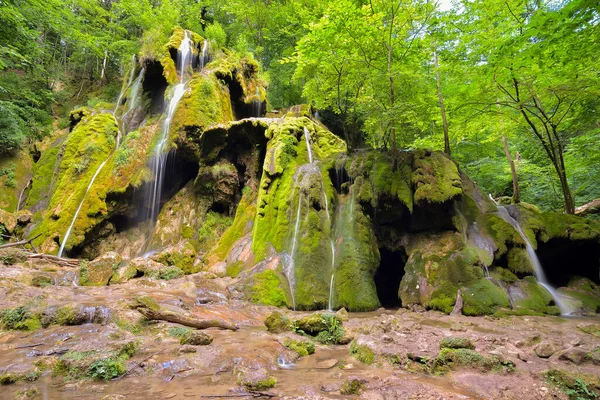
(488, 81)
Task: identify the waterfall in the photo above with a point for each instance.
(203, 58)
(329, 304)
(290, 265)
(565, 309)
(159, 162)
(62, 245)
(257, 105)
(120, 98)
(124, 88)
(307, 138)
(135, 96)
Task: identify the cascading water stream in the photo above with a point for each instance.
(123, 90)
(307, 138)
(64, 242)
(565, 309)
(256, 104)
(184, 59)
(203, 55)
(135, 96)
(290, 266)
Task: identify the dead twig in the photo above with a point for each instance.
(29, 345)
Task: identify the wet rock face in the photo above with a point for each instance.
(100, 271)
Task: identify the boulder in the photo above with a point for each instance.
(545, 350)
(277, 322)
(100, 271)
(196, 338)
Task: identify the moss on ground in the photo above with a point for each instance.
(362, 353)
(450, 359)
(576, 386)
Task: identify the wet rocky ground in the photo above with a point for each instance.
(64, 341)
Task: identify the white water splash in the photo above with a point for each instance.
(135, 96)
(565, 308)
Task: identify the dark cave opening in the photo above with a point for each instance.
(388, 277)
(155, 85)
(563, 258)
(340, 179)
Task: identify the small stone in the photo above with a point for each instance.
(576, 356)
(545, 350)
(196, 338)
(186, 349)
(522, 357)
(327, 364)
(387, 339)
(330, 387)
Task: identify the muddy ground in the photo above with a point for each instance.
(398, 357)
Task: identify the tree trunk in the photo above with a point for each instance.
(103, 74)
(513, 171)
(441, 100)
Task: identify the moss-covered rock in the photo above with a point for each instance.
(277, 323)
(99, 271)
(181, 256)
(85, 150)
(451, 342)
(483, 297)
(303, 347)
(527, 295)
(196, 338)
(435, 177)
(449, 359)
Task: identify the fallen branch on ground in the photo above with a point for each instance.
(150, 309)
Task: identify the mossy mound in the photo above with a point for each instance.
(450, 359)
(15, 173)
(435, 177)
(85, 149)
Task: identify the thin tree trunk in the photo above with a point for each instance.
(513, 171)
(103, 74)
(441, 100)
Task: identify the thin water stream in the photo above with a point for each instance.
(565, 308)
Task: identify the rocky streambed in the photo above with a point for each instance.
(61, 340)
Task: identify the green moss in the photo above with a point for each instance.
(212, 228)
(8, 378)
(302, 347)
(362, 353)
(537, 298)
(107, 368)
(267, 289)
(15, 172)
(205, 103)
(277, 323)
(449, 359)
(504, 275)
(233, 270)
(180, 257)
(89, 145)
(19, 318)
(519, 262)
(242, 223)
(261, 384)
(435, 177)
(146, 301)
(569, 227)
(179, 331)
(590, 329)
(576, 386)
(456, 343)
(352, 387)
(69, 315)
(483, 298)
